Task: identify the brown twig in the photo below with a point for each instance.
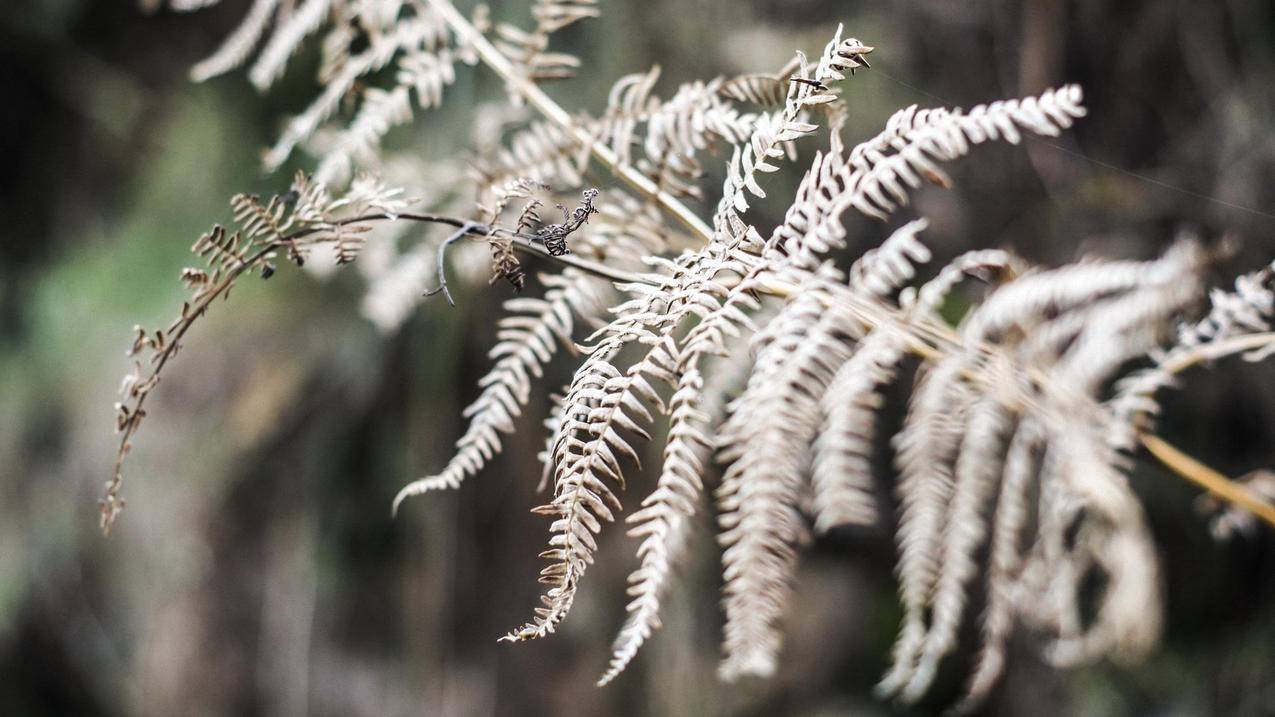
(111, 504)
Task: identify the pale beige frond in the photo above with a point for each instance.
(975, 476)
(587, 449)
(288, 35)
(528, 50)
(842, 465)
(766, 441)
(395, 292)
(757, 500)
(1247, 309)
(924, 452)
(663, 520)
(528, 337)
(417, 32)
(1004, 563)
(543, 151)
(1087, 336)
(238, 45)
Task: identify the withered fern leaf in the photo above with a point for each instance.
(765, 351)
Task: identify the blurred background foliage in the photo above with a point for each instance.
(257, 570)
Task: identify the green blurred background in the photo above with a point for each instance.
(257, 570)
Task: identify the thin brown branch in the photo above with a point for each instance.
(522, 242)
(111, 504)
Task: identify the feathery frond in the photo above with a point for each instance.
(1006, 446)
(528, 337)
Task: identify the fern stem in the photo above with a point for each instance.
(1205, 477)
(1190, 468)
(501, 65)
(442, 260)
(1219, 349)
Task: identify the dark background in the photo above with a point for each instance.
(257, 570)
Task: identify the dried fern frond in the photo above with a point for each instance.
(288, 35)
(603, 400)
(1125, 307)
(663, 520)
(543, 151)
(1246, 310)
(291, 223)
(394, 292)
(1006, 446)
(757, 502)
(586, 454)
(417, 33)
(842, 462)
(527, 339)
(694, 119)
(768, 437)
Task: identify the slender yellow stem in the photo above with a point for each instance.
(1207, 478)
(1217, 350)
(501, 65)
(1188, 467)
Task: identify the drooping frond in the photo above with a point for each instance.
(663, 522)
(586, 454)
(959, 430)
(528, 337)
(289, 224)
(757, 500)
(842, 465)
(975, 473)
(1012, 514)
